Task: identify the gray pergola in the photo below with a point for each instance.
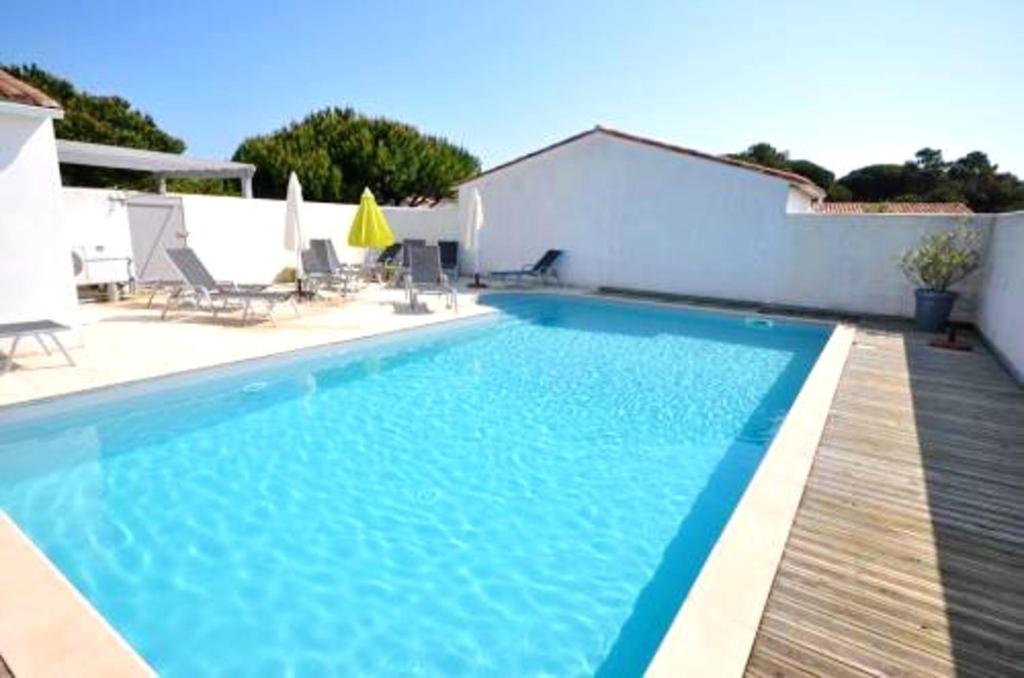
(161, 165)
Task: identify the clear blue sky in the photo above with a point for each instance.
(840, 83)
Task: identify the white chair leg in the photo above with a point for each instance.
(9, 363)
(39, 340)
(171, 301)
(62, 349)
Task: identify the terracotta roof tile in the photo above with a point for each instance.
(792, 178)
(892, 208)
(16, 91)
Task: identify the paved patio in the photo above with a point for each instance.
(125, 341)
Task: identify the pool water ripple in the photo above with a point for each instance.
(508, 498)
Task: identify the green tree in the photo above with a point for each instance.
(877, 182)
(929, 160)
(837, 192)
(927, 179)
(766, 155)
(972, 179)
(816, 173)
(984, 187)
(336, 152)
(204, 186)
(101, 120)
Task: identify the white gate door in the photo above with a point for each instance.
(156, 222)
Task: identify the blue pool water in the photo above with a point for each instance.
(527, 495)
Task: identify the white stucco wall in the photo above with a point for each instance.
(240, 239)
(628, 216)
(850, 262)
(637, 217)
(243, 240)
(798, 201)
(96, 219)
(1001, 316)
(97, 226)
(36, 279)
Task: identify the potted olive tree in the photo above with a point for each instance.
(940, 260)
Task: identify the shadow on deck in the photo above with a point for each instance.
(907, 553)
(969, 416)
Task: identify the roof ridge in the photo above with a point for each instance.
(791, 177)
(782, 174)
(20, 92)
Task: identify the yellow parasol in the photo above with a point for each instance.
(370, 227)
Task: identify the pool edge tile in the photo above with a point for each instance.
(48, 628)
(714, 629)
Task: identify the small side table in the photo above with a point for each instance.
(37, 329)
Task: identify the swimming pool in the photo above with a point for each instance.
(532, 493)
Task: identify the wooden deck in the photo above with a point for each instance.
(907, 553)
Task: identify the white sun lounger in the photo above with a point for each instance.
(202, 291)
(426, 277)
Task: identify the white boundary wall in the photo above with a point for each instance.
(1001, 316)
(97, 222)
(36, 275)
(243, 240)
(851, 263)
(632, 216)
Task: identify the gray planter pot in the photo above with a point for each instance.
(931, 312)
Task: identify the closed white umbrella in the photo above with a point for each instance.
(293, 226)
(476, 224)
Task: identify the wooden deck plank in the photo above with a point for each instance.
(906, 554)
(780, 657)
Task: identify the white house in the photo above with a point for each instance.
(641, 214)
(36, 278)
(603, 194)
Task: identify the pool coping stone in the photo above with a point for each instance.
(714, 629)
